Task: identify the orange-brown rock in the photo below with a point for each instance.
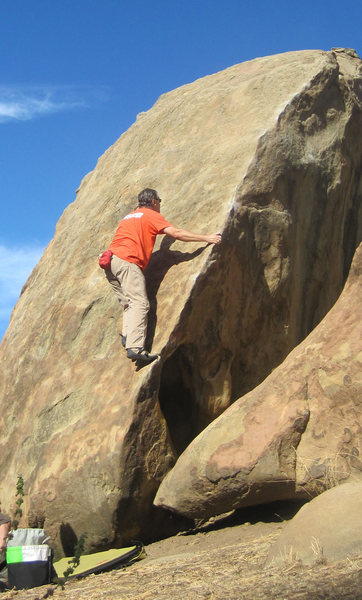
(269, 152)
(295, 435)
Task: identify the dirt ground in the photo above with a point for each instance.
(222, 560)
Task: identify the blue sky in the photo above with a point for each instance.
(75, 73)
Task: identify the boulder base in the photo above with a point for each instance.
(329, 528)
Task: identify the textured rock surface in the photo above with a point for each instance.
(327, 528)
(268, 151)
(297, 433)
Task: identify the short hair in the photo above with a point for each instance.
(146, 196)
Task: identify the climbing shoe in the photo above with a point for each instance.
(142, 356)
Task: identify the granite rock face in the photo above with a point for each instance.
(295, 435)
(269, 152)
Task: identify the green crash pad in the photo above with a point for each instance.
(101, 561)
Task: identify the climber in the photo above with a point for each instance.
(131, 250)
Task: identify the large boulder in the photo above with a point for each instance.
(295, 435)
(269, 152)
(329, 528)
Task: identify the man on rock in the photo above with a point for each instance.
(131, 250)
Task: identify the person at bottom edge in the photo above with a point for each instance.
(131, 249)
(5, 525)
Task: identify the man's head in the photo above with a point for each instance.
(150, 199)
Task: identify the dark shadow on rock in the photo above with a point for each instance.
(68, 539)
(152, 524)
(178, 398)
(161, 261)
(273, 512)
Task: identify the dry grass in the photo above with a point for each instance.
(219, 565)
(336, 470)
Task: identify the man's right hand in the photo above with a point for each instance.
(214, 238)
(188, 236)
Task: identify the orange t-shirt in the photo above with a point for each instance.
(136, 235)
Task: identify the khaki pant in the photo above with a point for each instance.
(128, 283)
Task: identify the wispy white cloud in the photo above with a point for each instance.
(16, 265)
(28, 102)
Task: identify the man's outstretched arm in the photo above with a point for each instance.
(187, 236)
